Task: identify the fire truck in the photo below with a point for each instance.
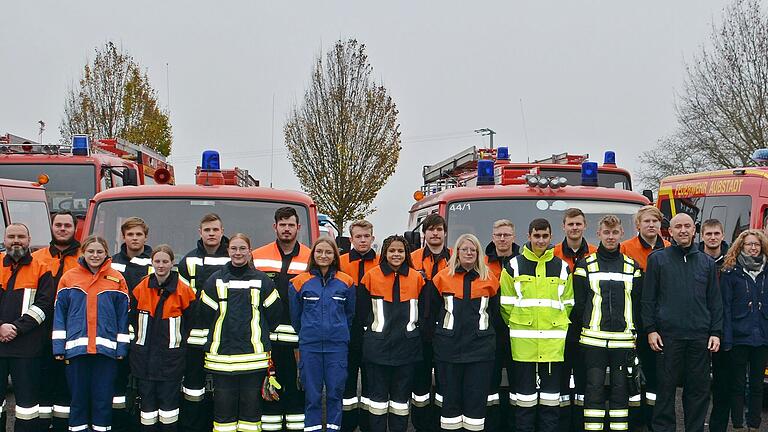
(74, 173)
(173, 212)
(25, 202)
(476, 187)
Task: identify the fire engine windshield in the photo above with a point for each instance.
(176, 221)
(733, 211)
(477, 217)
(32, 214)
(69, 187)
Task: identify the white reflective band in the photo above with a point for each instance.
(199, 332)
(106, 342)
(59, 334)
(635, 398)
(413, 314)
(493, 397)
(333, 426)
(271, 426)
(148, 418)
(76, 343)
(78, 428)
(215, 260)
(438, 397)
(294, 418)
(538, 334)
(243, 284)
(124, 338)
(101, 428)
(593, 426)
(619, 277)
(549, 396)
(271, 298)
(224, 427)
(650, 396)
(118, 400)
(618, 413)
(36, 313)
(450, 420)
(45, 410)
(193, 392)
(398, 405)
(141, 261)
(194, 261)
(27, 413)
(349, 401)
(285, 328)
(474, 421)
(526, 397)
(312, 428)
(168, 414)
(419, 398)
(555, 304)
(119, 267)
(244, 426)
(508, 300)
(619, 425)
(61, 409)
(594, 413)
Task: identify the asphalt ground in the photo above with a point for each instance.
(680, 425)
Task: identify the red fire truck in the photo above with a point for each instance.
(25, 202)
(173, 212)
(74, 174)
(476, 188)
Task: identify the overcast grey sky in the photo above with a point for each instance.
(593, 75)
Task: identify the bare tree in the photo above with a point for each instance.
(344, 139)
(115, 99)
(721, 111)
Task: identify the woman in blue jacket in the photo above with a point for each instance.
(744, 285)
(322, 303)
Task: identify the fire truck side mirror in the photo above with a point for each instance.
(648, 194)
(130, 177)
(344, 244)
(414, 239)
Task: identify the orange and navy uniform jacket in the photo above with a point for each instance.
(59, 261)
(91, 313)
(464, 331)
(160, 318)
(26, 301)
(638, 249)
(572, 257)
(322, 308)
(428, 264)
(497, 263)
(239, 306)
(133, 269)
(281, 268)
(356, 265)
(391, 315)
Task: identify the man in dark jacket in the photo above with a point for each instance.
(682, 313)
(195, 269)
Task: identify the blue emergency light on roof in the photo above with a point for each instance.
(610, 158)
(210, 161)
(502, 153)
(485, 175)
(589, 174)
(760, 155)
(80, 145)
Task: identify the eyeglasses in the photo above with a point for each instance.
(468, 250)
(503, 235)
(238, 249)
(752, 245)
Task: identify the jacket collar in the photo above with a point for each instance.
(146, 253)
(387, 269)
(444, 254)
(25, 260)
(294, 252)
(169, 285)
(221, 251)
(659, 242)
(472, 274)
(354, 255)
(609, 255)
(105, 265)
(545, 257)
(72, 248)
(328, 276)
(570, 253)
(723, 250)
(490, 252)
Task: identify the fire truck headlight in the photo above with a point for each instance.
(543, 182)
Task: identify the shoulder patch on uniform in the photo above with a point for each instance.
(112, 278)
(301, 278)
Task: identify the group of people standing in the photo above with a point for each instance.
(277, 330)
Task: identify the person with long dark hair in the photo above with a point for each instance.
(392, 343)
(322, 303)
(744, 283)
